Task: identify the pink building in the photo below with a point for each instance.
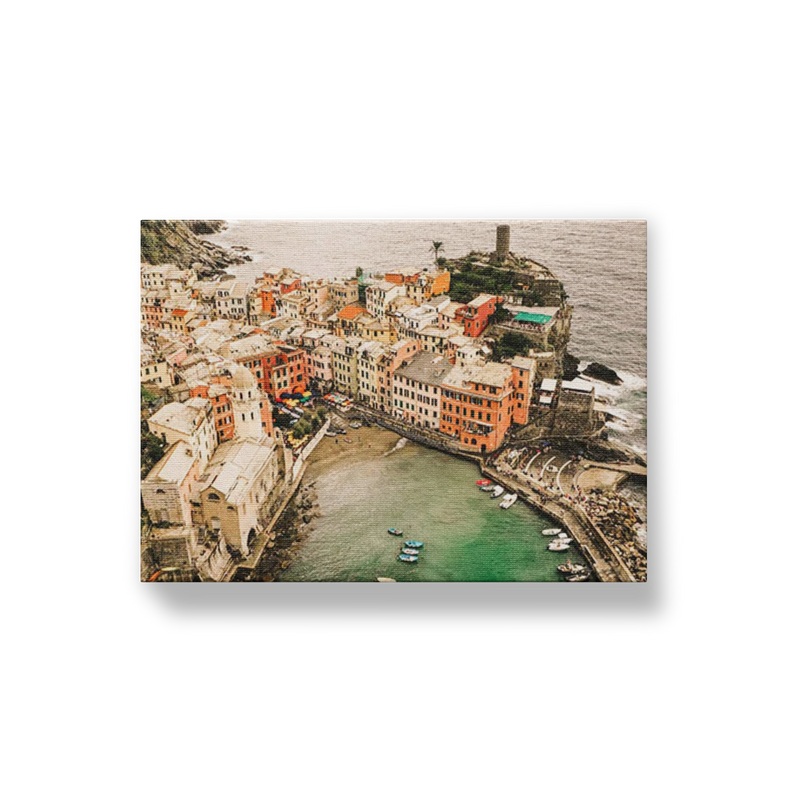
(320, 368)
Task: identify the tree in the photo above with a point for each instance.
(436, 247)
(511, 344)
(359, 272)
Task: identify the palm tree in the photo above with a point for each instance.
(437, 246)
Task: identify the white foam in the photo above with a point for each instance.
(400, 444)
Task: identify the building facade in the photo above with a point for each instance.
(417, 389)
(477, 406)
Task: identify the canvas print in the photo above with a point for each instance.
(393, 401)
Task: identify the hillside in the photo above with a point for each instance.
(176, 241)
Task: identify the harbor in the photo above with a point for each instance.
(380, 481)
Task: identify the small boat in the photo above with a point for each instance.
(558, 546)
(570, 568)
(562, 537)
(381, 579)
(349, 441)
(578, 578)
(355, 425)
(488, 488)
(395, 531)
(483, 482)
(551, 532)
(410, 551)
(497, 491)
(408, 559)
(414, 545)
(508, 501)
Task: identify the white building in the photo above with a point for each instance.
(238, 490)
(190, 422)
(379, 295)
(417, 389)
(167, 490)
(246, 403)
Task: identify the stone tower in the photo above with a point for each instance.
(503, 241)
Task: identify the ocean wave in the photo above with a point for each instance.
(400, 444)
(612, 394)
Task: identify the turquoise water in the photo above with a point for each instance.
(433, 498)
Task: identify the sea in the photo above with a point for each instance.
(602, 264)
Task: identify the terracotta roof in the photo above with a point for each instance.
(351, 312)
(179, 312)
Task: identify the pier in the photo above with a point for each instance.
(602, 557)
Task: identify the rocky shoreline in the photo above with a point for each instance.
(175, 241)
(619, 521)
(295, 524)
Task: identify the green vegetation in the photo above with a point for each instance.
(309, 423)
(510, 345)
(152, 449)
(435, 248)
(470, 281)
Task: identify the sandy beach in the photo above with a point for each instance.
(366, 444)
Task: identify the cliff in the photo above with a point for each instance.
(176, 241)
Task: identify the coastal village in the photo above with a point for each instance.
(241, 381)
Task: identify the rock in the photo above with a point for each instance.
(570, 367)
(602, 373)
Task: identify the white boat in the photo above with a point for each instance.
(551, 532)
(508, 501)
(386, 580)
(558, 546)
(562, 537)
(578, 578)
(497, 491)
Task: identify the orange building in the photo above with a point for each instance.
(523, 374)
(421, 286)
(477, 406)
(350, 319)
(217, 391)
(474, 316)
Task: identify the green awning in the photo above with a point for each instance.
(539, 319)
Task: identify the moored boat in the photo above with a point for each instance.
(582, 576)
(508, 501)
(382, 579)
(410, 551)
(551, 532)
(483, 482)
(570, 568)
(414, 545)
(558, 546)
(488, 488)
(497, 491)
(407, 559)
(395, 531)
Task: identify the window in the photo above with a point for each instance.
(213, 496)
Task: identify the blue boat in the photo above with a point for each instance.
(407, 559)
(410, 551)
(395, 531)
(414, 545)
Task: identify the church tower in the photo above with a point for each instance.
(246, 400)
